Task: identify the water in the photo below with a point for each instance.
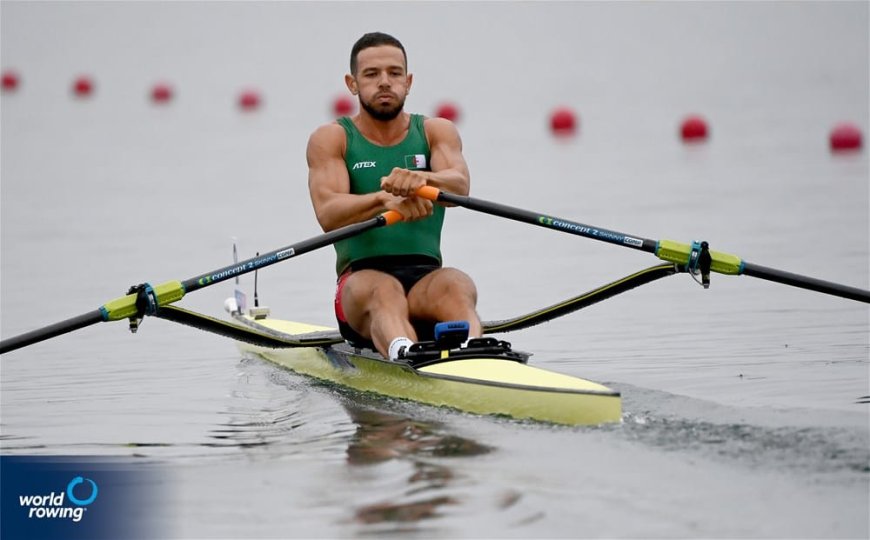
(741, 415)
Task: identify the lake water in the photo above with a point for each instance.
(741, 402)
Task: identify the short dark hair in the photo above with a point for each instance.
(374, 39)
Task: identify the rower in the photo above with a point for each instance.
(393, 277)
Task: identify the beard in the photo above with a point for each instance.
(383, 113)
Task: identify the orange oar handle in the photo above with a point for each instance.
(425, 192)
(391, 216)
(429, 192)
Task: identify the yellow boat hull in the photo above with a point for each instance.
(487, 386)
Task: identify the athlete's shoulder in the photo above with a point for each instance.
(327, 139)
(327, 131)
(438, 124)
(439, 129)
(331, 133)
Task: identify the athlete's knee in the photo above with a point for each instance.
(448, 294)
(456, 284)
(366, 292)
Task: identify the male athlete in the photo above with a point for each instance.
(389, 277)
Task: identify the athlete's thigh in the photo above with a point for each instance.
(444, 285)
(366, 290)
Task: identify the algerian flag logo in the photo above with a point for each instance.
(416, 161)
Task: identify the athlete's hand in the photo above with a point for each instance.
(402, 182)
(411, 208)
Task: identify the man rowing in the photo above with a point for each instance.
(391, 278)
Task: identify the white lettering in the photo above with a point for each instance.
(363, 165)
(53, 499)
(40, 512)
(52, 506)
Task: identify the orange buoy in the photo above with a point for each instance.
(845, 136)
(161, 93)
(563, 121)
(83, 86)
(249, 100)
(448, 111)
(10, 81)
(694, 129)
(343, 106)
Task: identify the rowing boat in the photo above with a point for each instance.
(485, 378)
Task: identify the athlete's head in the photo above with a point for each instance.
(374, 39)
(379, 75)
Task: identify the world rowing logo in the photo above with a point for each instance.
(79, 502)
(53, 505)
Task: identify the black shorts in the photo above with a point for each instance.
(408, 269)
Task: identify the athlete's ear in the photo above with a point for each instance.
(350, 82)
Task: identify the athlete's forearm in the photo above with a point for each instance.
(345, 208)
(450, 180)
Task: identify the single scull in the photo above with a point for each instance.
(487, 377)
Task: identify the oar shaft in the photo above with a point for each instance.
(172, 291)
(48, 332)
(805, 282)
(261, 261)
(541, 220)
(667, 250)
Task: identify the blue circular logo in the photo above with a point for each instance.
(76, 481)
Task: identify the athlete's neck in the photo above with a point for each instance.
(383, 132)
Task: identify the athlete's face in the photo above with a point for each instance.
(381, 81)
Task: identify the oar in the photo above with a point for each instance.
(145, 299)
(694, 256)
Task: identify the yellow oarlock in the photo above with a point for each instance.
(125, 306)
(679, 253)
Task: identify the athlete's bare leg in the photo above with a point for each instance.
(375, 306)
(447, 294)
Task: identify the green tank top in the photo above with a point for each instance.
(366, 164)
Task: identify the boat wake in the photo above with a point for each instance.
(796, 441)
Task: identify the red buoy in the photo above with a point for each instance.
(694, 129)
(161, 93)
(10, 81)
(448, 110)
(563, 121)
(845, 136)
(343, 106)
(83, 86)
(249, 100)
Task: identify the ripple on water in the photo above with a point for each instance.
(791, 441)
(273, 413)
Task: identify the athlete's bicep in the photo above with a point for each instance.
(327, 174)
(449, 169)
(446, 148)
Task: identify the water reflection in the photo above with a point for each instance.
(381, 437)
(275, 414)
